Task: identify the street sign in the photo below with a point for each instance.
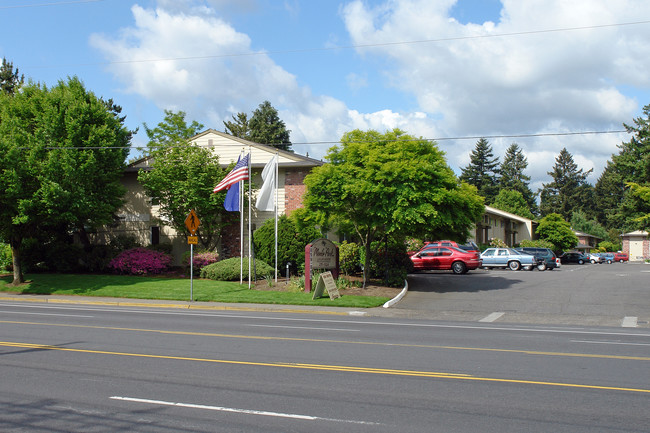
(192, 240)
(192, 222)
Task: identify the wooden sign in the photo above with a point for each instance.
(326, 282)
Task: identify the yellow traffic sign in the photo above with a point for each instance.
(192, 240)
(192, 222)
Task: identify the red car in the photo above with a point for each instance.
(445, 258)
(621, 257)
(468, 246)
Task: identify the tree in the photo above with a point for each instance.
(554, 229)
(569, 190)
(513, 202)
(391, 183)
(609, 193)
(62, 153)
(641, 192)
(513, 178)
(10, 80)
(483, 170)
(239, 126)
(581, 223)
(172, 130)
(182, 178)
(264, 127)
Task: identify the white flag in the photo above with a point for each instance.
(265, 198)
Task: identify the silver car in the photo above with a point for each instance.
(507, 257)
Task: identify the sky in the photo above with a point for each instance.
(545, 74)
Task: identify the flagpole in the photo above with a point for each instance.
(277, 163)
(250, 240)
(241, 232)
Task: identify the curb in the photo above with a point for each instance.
(399, 297)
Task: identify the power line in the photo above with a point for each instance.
(310, 143)
(347, 47)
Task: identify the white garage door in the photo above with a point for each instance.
(636, 248)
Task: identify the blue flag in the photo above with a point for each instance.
(231, 203)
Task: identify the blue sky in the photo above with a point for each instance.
(435, 68)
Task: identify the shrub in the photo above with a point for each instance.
(391, 264)
(200, 260)
(293, 236)
(497, 243)
(229, 270)
(539, 243)
(6, 259)
(140, 261)
(349, 257)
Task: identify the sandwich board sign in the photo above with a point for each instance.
(326, 282)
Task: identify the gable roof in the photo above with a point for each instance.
(229, 147)
(504, 214)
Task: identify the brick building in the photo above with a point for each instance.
(139, 217)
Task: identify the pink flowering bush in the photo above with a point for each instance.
(140, 261)
(200, 260)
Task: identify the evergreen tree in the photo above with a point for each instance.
(267, 128)
(10, 80)
(483, 170)
(239, 126)
(513, 177)
(609, 193)
(569, 190)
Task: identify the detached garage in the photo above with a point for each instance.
(636, 245)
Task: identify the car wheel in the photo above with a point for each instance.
(514, 265)
(581, 262)
(621, 260)
(541, 267)
(458, 268)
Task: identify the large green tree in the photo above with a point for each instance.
(513, 178)
(554, 229)
(569, 190)
(513, 202)
(622, 209)
(265, 127)
(483, 170)
(10, 79)
(172, 130)
(391, 183)
(62, 154)
(182, 178)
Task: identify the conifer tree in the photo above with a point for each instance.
(483, 170)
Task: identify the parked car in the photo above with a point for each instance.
(445, 258)
(621, 257)
(595, 258)
(574, 257)
(608, 257)
(549, 260)
(507, 257)
(467, 246)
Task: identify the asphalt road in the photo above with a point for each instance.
(85, 368)
(616, 294)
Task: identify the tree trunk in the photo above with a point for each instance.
(15, 244)
(83, 238)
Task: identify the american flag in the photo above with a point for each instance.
(240, 172)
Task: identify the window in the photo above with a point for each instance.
(155, 235)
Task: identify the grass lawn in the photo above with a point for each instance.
(177, 289)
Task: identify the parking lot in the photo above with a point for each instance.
(616, 294)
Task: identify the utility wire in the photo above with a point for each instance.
(311, 143)
(50, 4)
(347, 47)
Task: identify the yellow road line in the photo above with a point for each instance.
(317, 340)
(339, 368)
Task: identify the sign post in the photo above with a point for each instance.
(192, 223)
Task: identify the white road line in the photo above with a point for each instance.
(305, 327)
(492, 316)
(242, 411)
(629, 322)
(610, 342)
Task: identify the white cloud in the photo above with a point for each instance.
(472, 80)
